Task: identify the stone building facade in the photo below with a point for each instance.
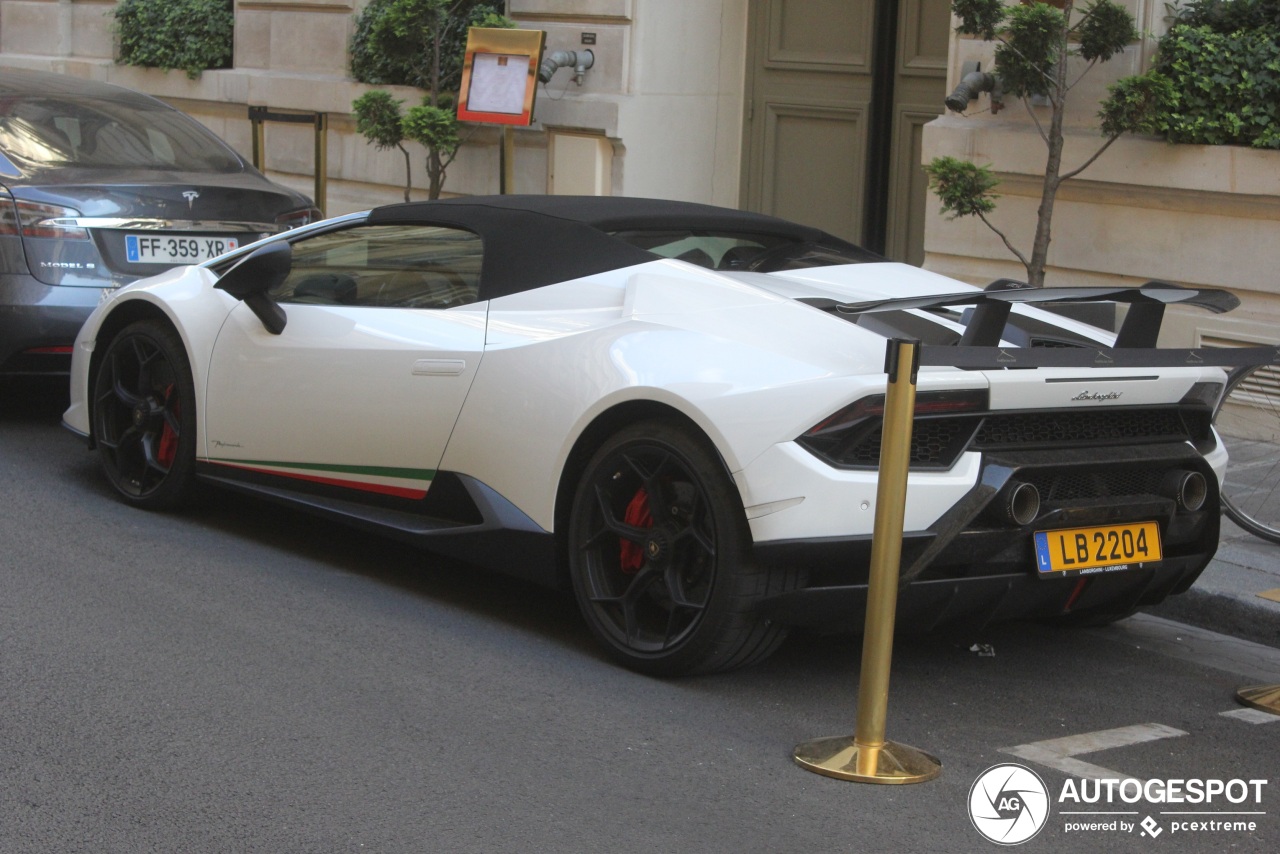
(1188, 214)
(678, 106)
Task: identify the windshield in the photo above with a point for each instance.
(104, 134)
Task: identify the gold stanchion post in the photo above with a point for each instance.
(867, 757)
(508, 158)
(259, 116)
(259, 139)
(1263, 697)
(322, 161)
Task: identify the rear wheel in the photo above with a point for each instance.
(144, 416)
(660, 556)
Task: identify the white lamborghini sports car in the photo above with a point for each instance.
(672, 409)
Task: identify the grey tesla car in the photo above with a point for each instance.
(100, 185)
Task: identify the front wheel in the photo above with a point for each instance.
(660, 556)
(144, 416)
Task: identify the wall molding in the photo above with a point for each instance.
(1201, 202)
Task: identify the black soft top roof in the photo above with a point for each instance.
(532, 241)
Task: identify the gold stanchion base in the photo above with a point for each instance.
(843, 758)
(1264, 697)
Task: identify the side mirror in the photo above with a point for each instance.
(254, 276)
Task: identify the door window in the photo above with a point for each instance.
(393, 266)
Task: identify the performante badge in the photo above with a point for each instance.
(1009, 804)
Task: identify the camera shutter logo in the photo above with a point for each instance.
(1008, 804)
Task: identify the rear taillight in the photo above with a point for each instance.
(32, 219)
(872, 406)
(293, 219)
(943, 426)
(1205, 394)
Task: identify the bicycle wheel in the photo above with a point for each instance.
(1248, 420)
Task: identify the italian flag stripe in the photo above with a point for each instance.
(398, 482)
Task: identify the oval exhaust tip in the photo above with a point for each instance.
(1192, 491)
(1022, 503)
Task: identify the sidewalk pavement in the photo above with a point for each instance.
(1226, 597)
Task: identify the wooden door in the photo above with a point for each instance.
(837, 92)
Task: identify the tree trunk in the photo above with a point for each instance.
(435, 174)
(408, 171)
(1044, 217)
(435, 168)
(1053, 164)
(437, 39)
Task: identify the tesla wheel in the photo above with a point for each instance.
(144, 416)
(660, 556)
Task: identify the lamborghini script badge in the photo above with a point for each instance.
(1098, 396)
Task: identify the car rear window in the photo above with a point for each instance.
(104, 134)
(751, 251)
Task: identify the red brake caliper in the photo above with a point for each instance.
(168, 439)
(637, 516)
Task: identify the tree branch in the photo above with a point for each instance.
(1026, 102)
(1087, 68)
(1089, 162)
(1001, 235)
(1075, 28)
(408, 169)
(1042, 72)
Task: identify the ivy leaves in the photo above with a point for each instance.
(1224, 86)
(192, 35)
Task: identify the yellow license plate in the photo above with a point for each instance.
(1108, 548)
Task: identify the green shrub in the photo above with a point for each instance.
(193, 35)
(964, 188)
(1228, 16)
(1222, 60)
(394, 41)
(1034, 41)
(420, 43)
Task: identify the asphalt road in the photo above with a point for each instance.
(242, 678)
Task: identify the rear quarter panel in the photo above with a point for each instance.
(750, 369)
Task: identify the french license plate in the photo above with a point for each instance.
(1110, 548)
(171, 249)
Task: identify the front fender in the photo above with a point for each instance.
(184, 296)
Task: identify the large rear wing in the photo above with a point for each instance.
(1135, 345)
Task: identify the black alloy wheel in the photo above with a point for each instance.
(144, 416)
(660, 556)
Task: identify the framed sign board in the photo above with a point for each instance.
(500, 76)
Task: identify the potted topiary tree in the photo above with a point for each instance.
(418, 43)
(1036, 45)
